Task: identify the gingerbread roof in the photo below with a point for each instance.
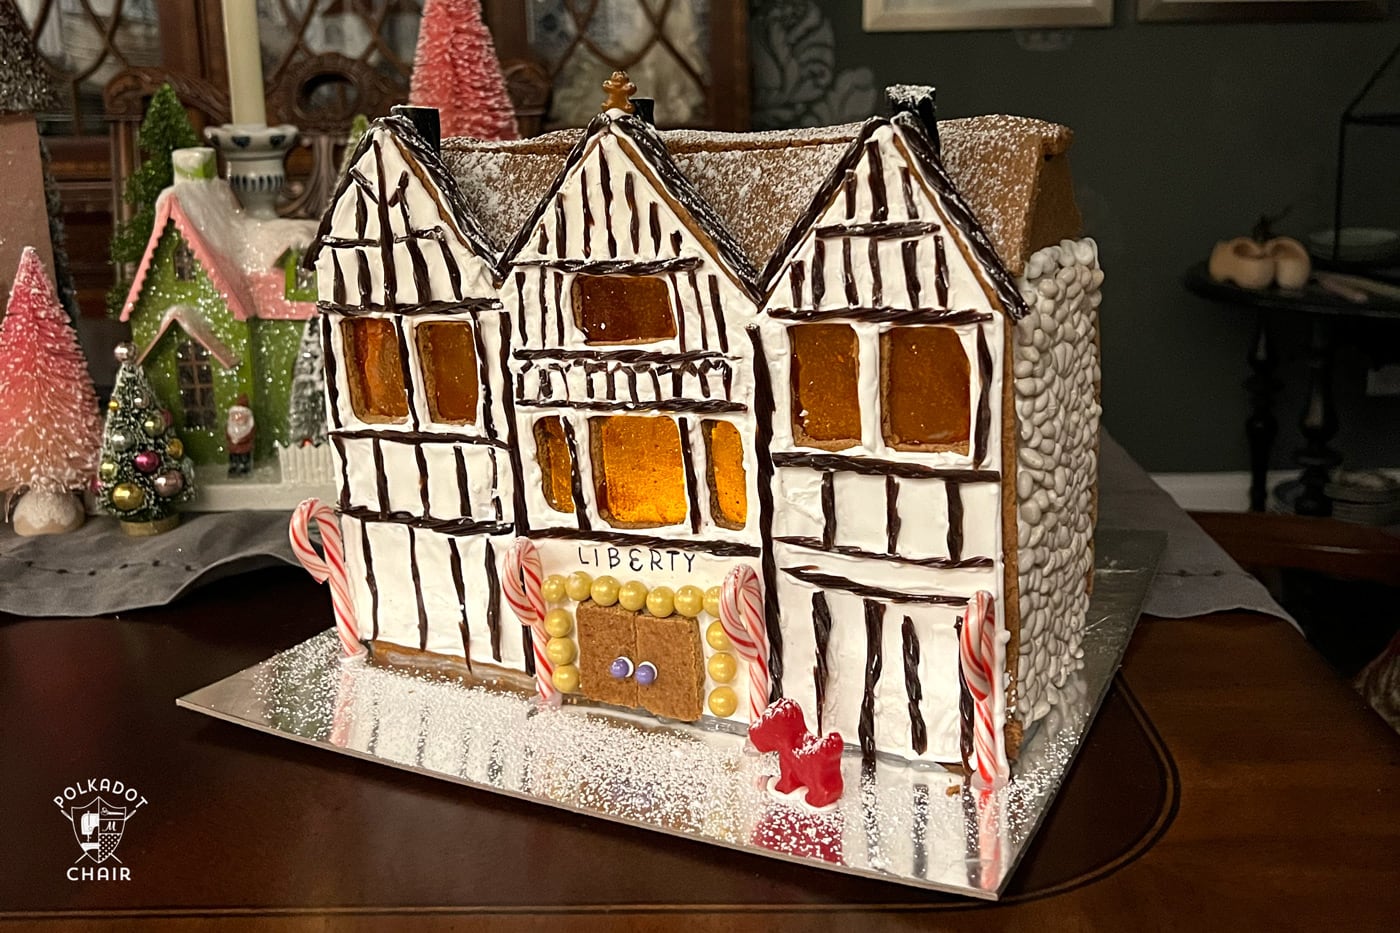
(1009, 170)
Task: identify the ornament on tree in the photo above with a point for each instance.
(306, 413)
(455, 69)
(144, 474)
(240, 432)
(49, 425)
(165, 128)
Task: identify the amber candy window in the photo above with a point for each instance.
(556, 463)
(375, 369)
(638, 471)
(825, 376)
(925, 388)
(447, 350)
(623, 309)
(729, 492)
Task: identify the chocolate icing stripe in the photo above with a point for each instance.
(879, 203)
(520, 306)
(616, 266)
(906, 185)
(447, 526)
(877, 286)
(627, 539)
(605, 182)
(337, 279)
(370, 580)
(381, 479)
(942, 563)
(454, 275)
(634, 222)
(955, 521)
(821, 635)
(965, 711)
(617, 356)
(421, 437)
(362, 279)
(459, 306)
(575, 477)
(493, 600)
(417, 589)
(918, 732)
(464, 490)
(495, 485)
(587, 213)
(542, 241)
(391, 282)
(558, 305)
(459, 584)
(874, 662)
(828, 510)
(675, 405)
(543, 303)
(984, 403)
(654, 227)
(883, 230)
(692, 488)
(700, 310)
(422, 463)
(848, 274)
(764, 409)
(518, 512)
(909, 255)
(892, 519)
(674, 288)
(883, 315)
(848, 190)
(561, 229)
(832, 581)
(717, 307)
(676, 241)
(940, 277)
(819, 272)
(406, 367)
(796, 276)
(365, 187)
(344, 472)
(873, 466)
(332, 382)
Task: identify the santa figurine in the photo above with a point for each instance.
(240, 432)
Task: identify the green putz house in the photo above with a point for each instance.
(217, 308)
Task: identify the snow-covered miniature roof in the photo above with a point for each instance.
(198, 327)
(238, 252)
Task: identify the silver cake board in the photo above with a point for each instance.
(895, 822)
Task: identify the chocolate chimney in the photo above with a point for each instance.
(644, 108)
(425, 120)
(918, 101)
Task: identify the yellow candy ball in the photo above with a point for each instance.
(114, 405)
(690, 600)
(661, 601)
(723, 700)
(577, 585)
(175, 447)
(632, 595)
(712, 600)
(566, 678)
(604, 590)
(553, 588)
(722, 667)
(558, 622)
(715, 637)
(560, 651)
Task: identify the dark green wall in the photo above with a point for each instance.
(1184, 134)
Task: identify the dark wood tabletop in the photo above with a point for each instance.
(1231, 779)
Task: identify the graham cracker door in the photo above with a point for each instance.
(604, 635)
(672, 645)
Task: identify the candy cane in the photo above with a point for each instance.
(741, 615)
(331, 567)
(524, 589)
(977, 654)
(989, 836)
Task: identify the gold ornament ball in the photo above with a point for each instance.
(175, 447)
(154, 426)
(560, 651)
(566, 678)
(114, 405)
(690, 600)
(715, 637)
(661, 601)
(632, 596)
(712, 600)
(128, 496)
(108, 470)
(558, 622)
(723, 701)
(553, 588)
(604, 590)
(578, 585)
(722, 667)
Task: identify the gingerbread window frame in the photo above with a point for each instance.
(556, 463)
(926, 389)
(826, 411)
(601, 301)
(626, 451)
(444, 376)
(365, 337)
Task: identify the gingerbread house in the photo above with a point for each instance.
(860, 360)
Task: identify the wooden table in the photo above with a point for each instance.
(1284, 812)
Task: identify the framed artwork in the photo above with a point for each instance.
(1258, 11)
(914, 15)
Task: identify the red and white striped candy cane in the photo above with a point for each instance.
(523, 583)
(977, 654)
(741, 615)
(330, 568)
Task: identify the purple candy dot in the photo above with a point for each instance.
(646, 673)
(621, 668)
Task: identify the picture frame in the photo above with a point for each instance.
(949, 15)
(1259, 11)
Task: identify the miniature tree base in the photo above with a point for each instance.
(146, 529)
(41, 512)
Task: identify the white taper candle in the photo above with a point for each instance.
(244, 53)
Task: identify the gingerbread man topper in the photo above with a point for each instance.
(619, 89)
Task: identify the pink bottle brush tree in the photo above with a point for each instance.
(50, 429)
(455, 70)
